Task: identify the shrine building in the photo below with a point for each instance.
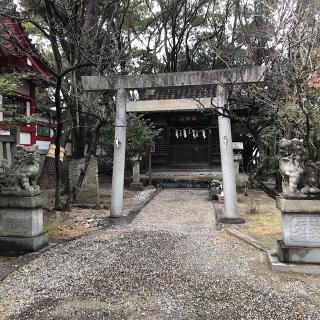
(22, 101)
(189, 136)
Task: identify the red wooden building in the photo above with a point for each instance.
(18, 58)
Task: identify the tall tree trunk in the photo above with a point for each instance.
(57, 143)
(92, 147)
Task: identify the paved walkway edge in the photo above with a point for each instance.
(125, 220)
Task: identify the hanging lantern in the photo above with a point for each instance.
(177, 134)
(193, 134)
(180, 133)
(189, 131)
(197, 134)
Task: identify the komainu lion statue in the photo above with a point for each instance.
(21, 177)
(300, 178)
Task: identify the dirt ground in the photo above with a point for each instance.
(263, 219)
(67, 225)
(171, 262)
(260, 212)
(64, 226)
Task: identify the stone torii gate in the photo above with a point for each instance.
(122, 83)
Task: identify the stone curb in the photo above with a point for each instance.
(125, 220)
(277, 265)
(273, 259)
(23, 260)
(253, 242)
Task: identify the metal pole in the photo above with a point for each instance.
(119, 155)
(226, 152)
(150, 165)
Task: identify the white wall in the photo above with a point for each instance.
(43, 145)
(4, 133)
(25, 138)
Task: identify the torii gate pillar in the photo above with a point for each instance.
(226, 153)
(119, 155)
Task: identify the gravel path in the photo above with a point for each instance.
(170, 263)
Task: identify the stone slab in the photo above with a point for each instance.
(186, 78)
(20, 222)
(277, 265)
(88, 192)
(20, 193)
(301, 229)
(169, 105)
(10, 201)
(298, 254)
(136, 186)
(88, 198)
(225, 220)
(116, 221)
(125, 220)
(244, 237)
(298, 205)
(21, 245)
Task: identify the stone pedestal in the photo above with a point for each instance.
(21, 223)
(88, 193)
(300, 220)
(136, 185)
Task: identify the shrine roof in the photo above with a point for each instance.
(190, 92)
(17, 53)
(185, 92)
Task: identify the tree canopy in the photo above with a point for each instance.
(92, 37)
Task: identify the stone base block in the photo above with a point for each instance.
(298, 254)
(21, 222)
(22, 245)
(88, 193)
(136, 186)
(116, 221)
(298, 205)
(87, 198)
(301, 229)
(11, 201)
(231, 220)
(305, 268)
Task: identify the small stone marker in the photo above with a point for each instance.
(136, 185)
(21, 216)
(88, 193)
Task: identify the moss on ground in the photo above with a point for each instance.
(263, 219)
